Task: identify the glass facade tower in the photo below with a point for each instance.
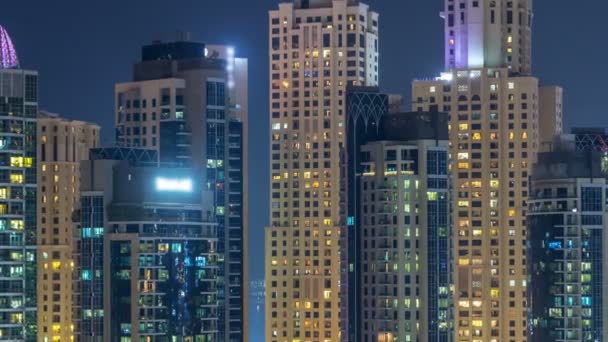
(18, 111)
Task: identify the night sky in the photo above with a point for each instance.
(82, 48)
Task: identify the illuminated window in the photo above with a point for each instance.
(510, 39)
(463, 127)
(3, 193)
(463, 165)
(17, 161)
(476, 136)
(17, 224)
(163, 247)
(16, 178)
(511, 85)
(463, 155)
(463, 204)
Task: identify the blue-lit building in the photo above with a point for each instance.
(397, 239)
(567, 237)
(18, 213)
(188, 102)
(148, 258)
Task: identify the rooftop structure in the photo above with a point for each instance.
(8, 55)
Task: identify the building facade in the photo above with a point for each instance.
(365, 107)
(18, 110)
(89, 314)
(188, 101)
(148, 260)
(317, 48)
(484, 33)
(567, 259)
(62, 144)
(405, 222)
(496, 130)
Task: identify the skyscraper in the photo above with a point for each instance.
(483, 33)
(404, 218)
(18, 110)
(317, 48)
(188, 101)
(148, 251)
(62, 144)
(567, 257)
(495, 132)
(365, 107)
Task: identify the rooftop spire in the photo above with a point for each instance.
(8, 55)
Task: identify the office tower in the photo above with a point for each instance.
(567, 258)
(148, 251)
(317, 48)
(188, 101)
(495, 133)
(404, 216)
(62, 144)
(18, 110)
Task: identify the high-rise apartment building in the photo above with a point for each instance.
(365, 107)
(148, 254)
(404, 219)
(496, 130)
(484, 33)
(317, 48)
(567, 258)
(62, 144)
(18, 110)
(89, 309)
(188, 101)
